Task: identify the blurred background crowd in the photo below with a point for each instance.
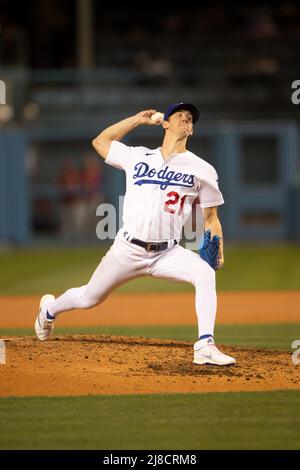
(71, 67)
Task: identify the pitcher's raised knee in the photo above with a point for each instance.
(205, 274)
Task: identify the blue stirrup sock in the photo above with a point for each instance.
(205, 336)
(49, 317)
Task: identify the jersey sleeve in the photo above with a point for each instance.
(119, 155)
(209, 192)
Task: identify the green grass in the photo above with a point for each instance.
(248, 267)
(274, 336)
(249, 420)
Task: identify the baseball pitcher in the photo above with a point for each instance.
(161, 186)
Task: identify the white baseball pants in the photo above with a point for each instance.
(125, 261)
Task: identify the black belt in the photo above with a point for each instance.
(150, 246)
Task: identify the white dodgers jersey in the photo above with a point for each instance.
(160, 193)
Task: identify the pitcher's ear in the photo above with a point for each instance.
(165, 125)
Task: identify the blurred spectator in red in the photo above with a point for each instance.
(70, 206)
(92, 191)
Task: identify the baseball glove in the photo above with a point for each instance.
(210, 249)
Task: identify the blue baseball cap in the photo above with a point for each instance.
(172, 108)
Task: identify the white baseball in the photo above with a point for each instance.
(156, 116)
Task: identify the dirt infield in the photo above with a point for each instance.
(92, 365)
(160, 309)
(80, 365)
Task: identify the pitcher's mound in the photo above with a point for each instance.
(92, 365)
